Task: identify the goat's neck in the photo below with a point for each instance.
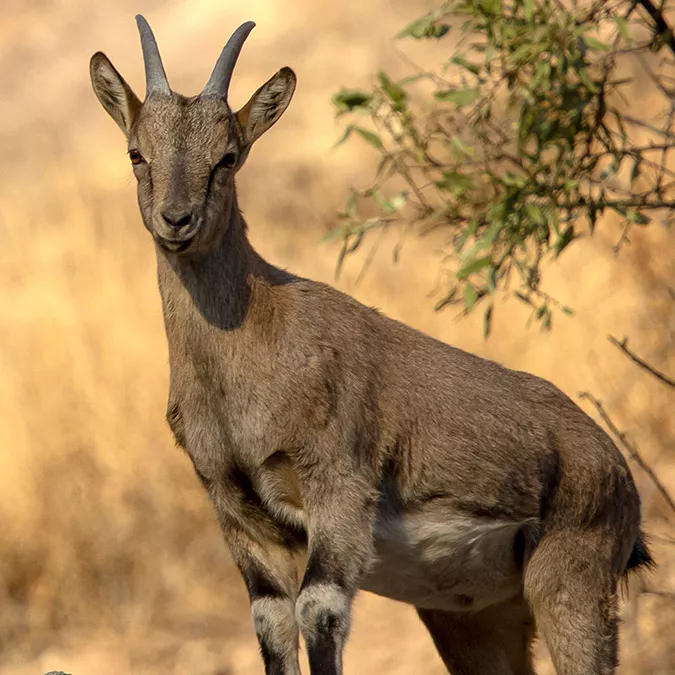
(213, 294)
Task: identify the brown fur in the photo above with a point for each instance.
(483, 495)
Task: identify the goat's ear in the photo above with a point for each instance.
(115, 95)
(267, 105)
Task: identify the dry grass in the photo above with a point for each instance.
(110, 560)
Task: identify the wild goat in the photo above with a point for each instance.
(481, 495)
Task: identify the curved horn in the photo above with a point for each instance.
(155, 77)
(219, 82)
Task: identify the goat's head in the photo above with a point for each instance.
(186, 151)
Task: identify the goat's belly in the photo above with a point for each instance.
(455, 564)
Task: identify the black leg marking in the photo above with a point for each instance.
(323, 650)
(259, 583)
(323, 613)
(321, 570)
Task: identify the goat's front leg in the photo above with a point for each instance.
(340, 521)
(269, 571)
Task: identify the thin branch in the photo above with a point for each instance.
(616, 249)
(630, 449)
(660, 24)
(646, 125)
(623, 346)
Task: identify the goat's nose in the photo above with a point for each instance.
(177, 219)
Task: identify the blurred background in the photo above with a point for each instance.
(110, 558)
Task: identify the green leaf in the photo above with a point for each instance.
(439, 30)
(334, 234)
(528, 9)
(489, 55)
(586, 80)
(393, 91)
(542, 77)
(348, 132)
(568, 310)
(463, 238)
(638, 218)
(553, 217)
(487, 321)
(595, 44)
(417, 76)
(370, 137)
(622, 25)
(464, 149)
(418, 28)
(492, 279)
(461, 61)
(491, 7)
(492, 233)
(454, 181)
(348, 247)
(564, 240)
(635, 171)
(459, 97)
(470, 297)
(350, 211)
(535, 214)
(424, 27)
(474, 266)
(447, 300)
(547, 320)
(497, 214)
(349, 100)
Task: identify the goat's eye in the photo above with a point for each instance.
(135, 157)
(229, 160)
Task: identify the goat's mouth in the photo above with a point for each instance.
(177, 244)
(174, 246)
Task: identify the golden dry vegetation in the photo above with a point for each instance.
(110, 559)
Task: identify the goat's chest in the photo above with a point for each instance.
(246, 413)
(241, 441)
(212, 428)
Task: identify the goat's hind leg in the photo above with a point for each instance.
(495, 641)
(571, 585)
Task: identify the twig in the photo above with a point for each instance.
(624, 238)
(623, 346)
(646, 125)
(660, 24)
(630, 449)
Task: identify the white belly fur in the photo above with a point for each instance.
(460, 563)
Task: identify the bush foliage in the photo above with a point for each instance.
(518, 143)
